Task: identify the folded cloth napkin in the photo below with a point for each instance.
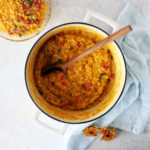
(132, 112)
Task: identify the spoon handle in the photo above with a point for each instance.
(101, 43)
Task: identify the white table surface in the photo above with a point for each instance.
(18, 131)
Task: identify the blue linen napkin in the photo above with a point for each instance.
(132, 112)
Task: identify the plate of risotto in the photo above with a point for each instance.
(23, 19)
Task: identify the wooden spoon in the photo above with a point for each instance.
(63, 67)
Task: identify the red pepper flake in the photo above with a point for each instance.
(37, 7)
(62, 77)
(27, 22)
(103, 64)
(77, 97)
(39, 1)
(20, 18)
(75, 101)
(69, 103)
(64, 105)
(37, 22)
(61, 44)
(85, 88)
(61, 34)
(29, 6)
(61, 100)
(106, 67)
(112, 75)
(51, 40)
(35, 1)
(90, 84)
(52, 53)
(79, 44)
(22, 7)
(10, 33)
(64, 83)
(56, 39)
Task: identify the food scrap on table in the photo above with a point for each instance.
(91, 131)
(107, 134)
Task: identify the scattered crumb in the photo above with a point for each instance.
(91, 131)
(107, 133)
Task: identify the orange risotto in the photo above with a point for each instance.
(84, 82)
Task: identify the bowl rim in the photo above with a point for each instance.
(74, 23)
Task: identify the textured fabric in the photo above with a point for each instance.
(132, 112)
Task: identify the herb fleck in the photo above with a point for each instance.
(83, 85)
(108, 80)
(59, 51)
(21, 1)
(27, 14)
(70, 94)
(49, 56)
(56, 43)
(100, 76)
(41, 93)
(30, 2)
(58, 96)
(53, 83)
(59, 60)
(71, 48)
(20, 34)
(24, 28)
(18, 21)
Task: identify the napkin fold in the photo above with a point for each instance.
(132, 112)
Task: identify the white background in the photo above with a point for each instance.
(18, 131)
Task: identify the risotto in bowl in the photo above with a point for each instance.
(89, 88)
(21, 20)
